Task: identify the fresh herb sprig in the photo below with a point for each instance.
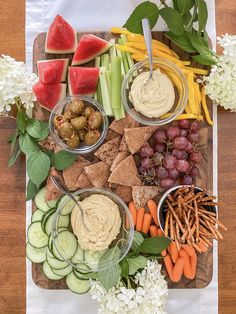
(29, 132)
(186, 21)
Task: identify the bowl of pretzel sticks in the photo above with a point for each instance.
(188, 215)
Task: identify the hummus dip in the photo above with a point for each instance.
(152, 97)
(102, 219)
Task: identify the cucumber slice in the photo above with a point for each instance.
(46, 216)
(48, 224)
(37, 215)
(55, 263)
(63, 221)
(79, 256)
(52, 203)
(92, 258)
(63, 272)
(36, 255)
(77, 285)
(40, 200)
(66, 244)
(82, 269)
(49, 273)
(49, 253)
(67, 204)
(85, 276)
(36, 237)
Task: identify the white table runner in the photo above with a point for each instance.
(101, 15)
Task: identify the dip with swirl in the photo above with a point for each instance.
(152, 97)
(102, 219)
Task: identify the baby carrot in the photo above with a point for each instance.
(133, 212)
(152, 206)
(146, 222)
(178, 269)
(153, 231)
(203, 247)
(160, 233)
(139, 221)
(174, 253)
(169, 265)
(193, 264)
(187, 268)
(188, 249)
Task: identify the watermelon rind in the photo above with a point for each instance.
(63, 73)
(91, 57)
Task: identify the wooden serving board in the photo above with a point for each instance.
(205, 180)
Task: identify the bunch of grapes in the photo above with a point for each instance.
(171, 155)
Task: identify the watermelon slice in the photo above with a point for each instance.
(52, 71)
(48, 95)
(89, 48)
(61, 37)
(82, 80)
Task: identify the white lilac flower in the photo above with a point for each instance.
(220, 85)
(15, 84)
(149, 297)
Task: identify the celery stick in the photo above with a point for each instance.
(112, 50)
(97, 62)
(105, 92)
(116, 83)
(123, 56)
(108, 78)
(129, 59)
(106, 61)
(99, 95)
(119, 114)
(122, 64)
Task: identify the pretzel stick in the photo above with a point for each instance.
(217, 232)
(201, 209)
(206, 240)
(178, 245)
(177, 232)
(167, 223)
(197, 220)
(171, 227)
(197, 248)
(203, 241)
(212, 230)
(176, 217)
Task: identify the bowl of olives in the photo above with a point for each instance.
(78, 124)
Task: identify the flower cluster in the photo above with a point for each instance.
(221, 83)
(15, 84)
(150, 295)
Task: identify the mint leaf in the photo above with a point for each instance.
(173, 19)
(21, 120)
(185, 6)
(32, 190)
(181, 41)
(137, 240)
(63, 160)
(146, 9)
(27, 144)
(33, 128)
(175, 5)
(203, 60)
(14, 155)
(135, 263)
(124, 268)
(38, 166)
(154, 245)
(44, 130)
(202, 15)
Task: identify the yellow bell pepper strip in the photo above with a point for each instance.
(204, 106)
(187, 109)
(191, 93)
(129, 49)
(183, 116)
(118, 30)
(142, 46)
(160, 54)
(197, 92)
(138, 57)
(186, 62)
(197, 71)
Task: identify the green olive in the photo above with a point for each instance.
(58, 120)
(88, 110)
(65, 130)
(74, 141)
(79, 123)
(95, 120)
(68, 115)
(76, 106)
(81, 135)
(92, 137)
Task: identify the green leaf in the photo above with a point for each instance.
(200, 44)
(21, 120)
(185, 6)
(14, 155)
(173, 19)
(63, 160)
(137, 240)
(154, 245)
(124, 268)
(175, 5)
(44, 130)
(13, 138)
(146, 9)
(27, 144)
(204, 60)
(202, 15)
(32, 190)
(33, 128)
(38, 165)
(182, 41)
(136, 263)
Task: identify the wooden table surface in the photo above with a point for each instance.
(12, 180)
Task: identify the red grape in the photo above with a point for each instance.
(189, 147)
(159, 148)
(140, 169)
(194, 171)
(179, 154)
(170, 162)
(146, 151)
(196, 157)
(183, 165)
(186, 180)
(180, 142)
(183, 124)
(183, 132)
(146, 163)
(172, 132)
(193, 137)
(160, 136)
(173, 173)
(195, 126)
(167, 183)
(161, 172)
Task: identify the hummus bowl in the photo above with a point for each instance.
(157, 101)
(107, 227)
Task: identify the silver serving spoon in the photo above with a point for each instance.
(148, 41)
(56, 181)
